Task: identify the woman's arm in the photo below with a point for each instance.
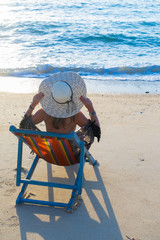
(88, 104)
(36, 99)
(92, 124)
(29, 121)
(39, 116)
(80, 119)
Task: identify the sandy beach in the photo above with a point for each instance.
(120, 195)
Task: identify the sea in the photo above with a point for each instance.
(113, 44)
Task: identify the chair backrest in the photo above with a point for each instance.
(55, 150)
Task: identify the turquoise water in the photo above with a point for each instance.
(114, 45)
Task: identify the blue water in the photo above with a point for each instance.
(113, 44)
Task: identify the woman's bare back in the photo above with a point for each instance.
(69, 126)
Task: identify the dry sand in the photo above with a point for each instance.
(120, 196)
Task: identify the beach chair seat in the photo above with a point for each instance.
(55, 149)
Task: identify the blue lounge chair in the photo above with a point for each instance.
(55, 149)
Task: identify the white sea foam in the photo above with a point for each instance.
(101, 41)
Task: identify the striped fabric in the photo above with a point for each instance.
(53, 150)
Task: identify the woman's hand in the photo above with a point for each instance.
(36, 99)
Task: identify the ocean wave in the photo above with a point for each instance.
(46, 70)
(108, 38)
(134, 39)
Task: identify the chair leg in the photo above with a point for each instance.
(80, 173)
(90, 158)
(29, 175)
(74, 203)
(75, 199)
(19, 162)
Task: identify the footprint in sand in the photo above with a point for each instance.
(13, 221)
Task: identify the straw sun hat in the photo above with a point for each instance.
(62, 92)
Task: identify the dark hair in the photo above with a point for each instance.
(57, 123)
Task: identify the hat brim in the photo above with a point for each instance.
(65, 110)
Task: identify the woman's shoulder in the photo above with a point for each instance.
(78, 116)
(80, 119)
(41, 111)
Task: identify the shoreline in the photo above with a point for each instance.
(89, 94)
(94, 86)
(120, 196)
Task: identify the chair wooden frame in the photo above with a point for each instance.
(85, 156)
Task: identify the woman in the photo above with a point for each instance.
(62, 95)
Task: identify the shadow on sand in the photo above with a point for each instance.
(54, 223)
